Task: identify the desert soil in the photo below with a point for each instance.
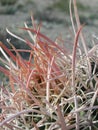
(51, 29)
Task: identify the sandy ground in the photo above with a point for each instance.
(51, 30)
(8, 20)
(92, 4)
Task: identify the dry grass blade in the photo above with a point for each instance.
(81, 36)
(52, 88)
(73, 76)
(73, 25)
(61, 118)
(16, 115)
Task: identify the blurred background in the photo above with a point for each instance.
(54, 15)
